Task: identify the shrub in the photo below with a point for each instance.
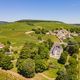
(63, 58)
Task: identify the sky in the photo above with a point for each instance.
(60, 10)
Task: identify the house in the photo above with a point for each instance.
(56, 51)
(1, 45)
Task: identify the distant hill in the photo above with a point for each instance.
(3, 22)
(76, 24)
(29, 20)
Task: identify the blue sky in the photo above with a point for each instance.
(61, 10)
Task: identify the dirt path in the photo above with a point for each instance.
(15, 74)
(46, 76)
(23, 78)
(18, 75)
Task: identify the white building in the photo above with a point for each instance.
(56, 51)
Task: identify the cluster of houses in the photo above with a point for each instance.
(62, 34)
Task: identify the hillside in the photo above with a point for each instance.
(15, 32)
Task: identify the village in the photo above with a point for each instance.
(56, 50)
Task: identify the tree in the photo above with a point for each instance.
(6, 62)
(63, 58)
(44, 31)
(71, 68)
(27, 68)
(1, 57)
(71, 72)
(41, 65)
(29, 50)
(8, 43)
(48, 43)
(73, 62)
(39, 37)
(61, 75)
(43, 51)
(24, 54)
(32, 54)
(40, 31)
(72, 47)
(7, 46)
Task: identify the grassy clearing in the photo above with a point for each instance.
(51, 73)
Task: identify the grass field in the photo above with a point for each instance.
(15, 32)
